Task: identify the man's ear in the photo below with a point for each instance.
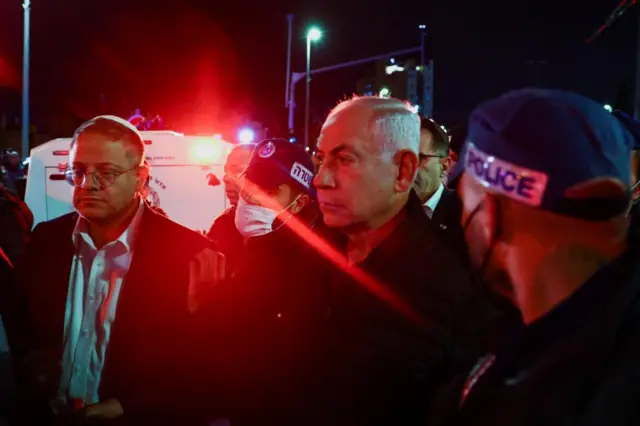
(300, 203)
(407, 163)
(142, 176)
(446, 166)
(635, 195)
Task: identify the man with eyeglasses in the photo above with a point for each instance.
(440, 204)
(433, 165)
(109, 290)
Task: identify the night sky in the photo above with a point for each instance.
(207, 66)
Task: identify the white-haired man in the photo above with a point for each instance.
(396, 306)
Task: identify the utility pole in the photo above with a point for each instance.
(26, 5)
(636, 100)
(288, 76)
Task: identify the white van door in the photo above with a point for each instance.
(184, 193)
(58, 193)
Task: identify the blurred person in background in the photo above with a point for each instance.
(112, 255)
(268, 320)
(9, 331)
(223, 232)
(457, 137)
(16, 221)
(10, 160)
(440, 203)
(553, 236)
(433, 166)
(404, 314)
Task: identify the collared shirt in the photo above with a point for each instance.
(432, 202)
(94, 287)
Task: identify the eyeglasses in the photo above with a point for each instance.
(423, 157)
(102, 178)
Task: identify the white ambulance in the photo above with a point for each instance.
(186, 177)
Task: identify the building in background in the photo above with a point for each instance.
(403, 80)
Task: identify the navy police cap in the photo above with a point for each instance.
(277, 161)
(532, 145)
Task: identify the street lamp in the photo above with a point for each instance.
(608, 108)
(314, 34)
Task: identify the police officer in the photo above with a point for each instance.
(267, 321)
(545, 190)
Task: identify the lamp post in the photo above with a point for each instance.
(25, 80)
(313, 34)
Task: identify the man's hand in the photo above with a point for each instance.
(206, 270)
(109, 409)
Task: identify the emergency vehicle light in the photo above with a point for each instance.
(206, 151)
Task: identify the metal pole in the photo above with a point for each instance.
(636, 101)
(297, 76)
(308, 94)
(423, 33)
(365, 60)
(25, 80)
(288, 77)
(292, 103)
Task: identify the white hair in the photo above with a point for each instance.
(393, 125)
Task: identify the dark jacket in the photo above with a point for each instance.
(386, 365)
(267, 327)
(448, 212)
(148, 365)
(577, 365)
(226, 237)
(16, 221)
(446, 217)
(7, 306)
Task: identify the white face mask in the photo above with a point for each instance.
(254, 221)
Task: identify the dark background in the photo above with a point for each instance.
(210, 66)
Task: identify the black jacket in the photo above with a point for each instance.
(16, 221)
(226, 237)
(385, 366)
(7, 314)
(577, 365)
(267, 327)
(148, 365)
(446, 217)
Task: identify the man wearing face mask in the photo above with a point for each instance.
(554, 236)
(271, 313)
(223, 232)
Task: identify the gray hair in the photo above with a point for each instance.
(392, 127)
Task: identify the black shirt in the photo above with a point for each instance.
(574, 365)
(390, 353)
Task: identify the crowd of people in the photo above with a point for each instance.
(384, 280)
